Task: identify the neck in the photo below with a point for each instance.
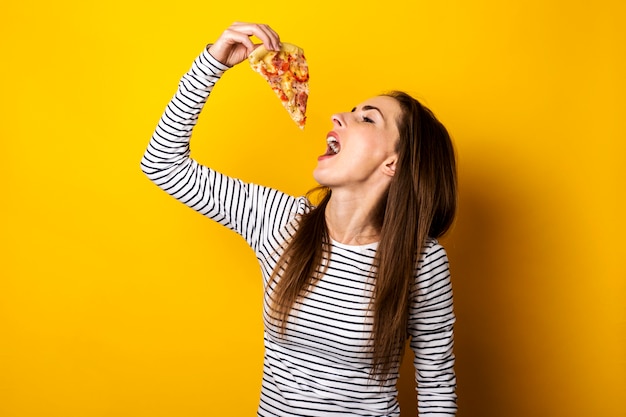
(351, 220)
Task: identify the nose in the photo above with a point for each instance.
(338, 119)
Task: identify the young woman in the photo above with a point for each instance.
(349, 280)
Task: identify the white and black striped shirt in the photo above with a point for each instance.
(321, 365)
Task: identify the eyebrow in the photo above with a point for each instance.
(369, 107)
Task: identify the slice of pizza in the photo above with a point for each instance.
(287, 72)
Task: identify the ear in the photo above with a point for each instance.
(389, 167)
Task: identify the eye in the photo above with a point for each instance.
(364, 118)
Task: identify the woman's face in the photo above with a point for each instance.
(361, 147)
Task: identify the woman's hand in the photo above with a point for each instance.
(234, 45)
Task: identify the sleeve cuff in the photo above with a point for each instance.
(210, 60)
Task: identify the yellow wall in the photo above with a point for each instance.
(116, 300)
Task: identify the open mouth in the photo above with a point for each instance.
(333, 146)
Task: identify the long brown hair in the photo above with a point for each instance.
(420, 203)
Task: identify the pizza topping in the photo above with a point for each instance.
(301, 101)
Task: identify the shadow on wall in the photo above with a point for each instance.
(482, 246)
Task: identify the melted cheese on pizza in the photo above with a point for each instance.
(287, 73)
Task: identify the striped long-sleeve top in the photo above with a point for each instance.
(321, 365)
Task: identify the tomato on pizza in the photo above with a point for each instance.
(287, 72)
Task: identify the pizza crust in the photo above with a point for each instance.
(261, 53)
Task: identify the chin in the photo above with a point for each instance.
(317, 177)
(320, 181)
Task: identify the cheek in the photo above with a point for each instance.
(376, 149)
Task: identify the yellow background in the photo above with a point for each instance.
(116, 300)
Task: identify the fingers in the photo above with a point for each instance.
(231, 39)
(235, 45)
(265, 33)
